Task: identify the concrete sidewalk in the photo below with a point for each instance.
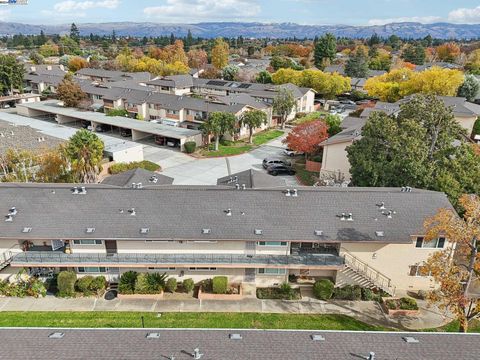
(368, 312)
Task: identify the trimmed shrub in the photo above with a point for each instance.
(348, 292)
(408, 303)
(286, 288)
(190, 147)
(98, 284)
(122, 167)
(188, 285)
(219, 284)
(84, 285)
(356, 292)
(127, 282)
(367, 294)
(66, 283)
(117, 112)
(171, 285)
(323, 289)
(150, 283)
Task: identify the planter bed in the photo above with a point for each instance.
(141, 296)
(277, 294)
(202, 295)
(398, 311)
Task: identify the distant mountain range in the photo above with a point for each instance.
(253, 30)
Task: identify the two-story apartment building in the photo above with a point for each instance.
(371, 236)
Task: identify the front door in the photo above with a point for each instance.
(111, 247)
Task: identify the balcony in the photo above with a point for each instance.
(56, 259)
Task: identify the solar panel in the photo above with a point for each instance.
(245, 86)
(217, 83)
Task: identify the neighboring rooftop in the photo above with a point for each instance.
(137, 176)
(252, 179)
(180, 344)
(20, 137)
(160, 209)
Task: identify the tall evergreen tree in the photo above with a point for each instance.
(325, 50)
(75, 32)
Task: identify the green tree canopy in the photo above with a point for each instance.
(470, 88)
(70, 92)
(264, 77)
(253, 119)
(419, 148)
(84, 151)
(11, 74)
(218, 124)
(283, 104)
(414, 54)
(357, 64)
(325, 50)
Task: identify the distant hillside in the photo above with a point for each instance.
(255, 30)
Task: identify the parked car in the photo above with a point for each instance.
(100, 128)
(85, 124)
(125, 132)
(280, 169)
(273, 161)
(292, 153)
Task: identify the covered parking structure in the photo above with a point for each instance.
(163, 134)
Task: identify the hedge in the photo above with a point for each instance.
(190, 147)
(188, 285)
(323, 289)
(219, 284)
(66, 283)
(171, 285)
(122, 167)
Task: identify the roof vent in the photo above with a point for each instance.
(237, 186)
(317, 337)
(90, 230)
(294, 193)
(153, 179)
(235, 336)
(75, 190)
(287, 192)
(196, 354)
(83, 191)
(244, 187)
(371, 356)
(389, 214)
(144, 230)
(155, 335)
(206, 231)
(12, 211)
(406, 189)
(9, 218)
(26, 230)
(139, 186)
(132, 212)
(350, 217)
(228, 212)
(258, 231)
(380, 233)
(381, 206)
(318, 232)
(342, 217)
(56, 335)
(410, 339)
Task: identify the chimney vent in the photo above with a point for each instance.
(317, 337)
(235, 337)
(237, 186)
(371, 356)
(155, 335)
(196, 354)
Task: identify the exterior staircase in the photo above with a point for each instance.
(361, 273)
(5, 259)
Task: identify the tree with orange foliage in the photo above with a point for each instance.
(76, 63)
(307, 137)
(448, 52)
(457, 273)
(197, 58)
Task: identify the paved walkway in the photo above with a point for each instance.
(368, 312)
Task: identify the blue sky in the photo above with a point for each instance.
(354, 12)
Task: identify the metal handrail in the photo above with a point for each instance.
(62, 258)
(6, 257)
(375, 276)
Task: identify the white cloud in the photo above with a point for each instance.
(418, 19)
(71, 5)
(196, 10)
(465, 16)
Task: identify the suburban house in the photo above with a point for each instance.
(335, 162)
(368, 236)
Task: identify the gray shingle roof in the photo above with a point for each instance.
(162, 210)
(145, 177)
(132, 344)
(252, 179)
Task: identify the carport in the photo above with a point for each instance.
(140, 129)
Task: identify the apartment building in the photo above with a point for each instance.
(371, 236)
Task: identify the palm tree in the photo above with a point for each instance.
(84, 151)
(253, 119)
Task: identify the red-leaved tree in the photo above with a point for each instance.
(307, 137)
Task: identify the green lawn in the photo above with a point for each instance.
(229, 148)
(182, 320)
(474, 327)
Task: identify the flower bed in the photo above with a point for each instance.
(235, 293)
(400, 306)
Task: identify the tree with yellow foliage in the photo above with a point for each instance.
(76, 63)
(448, 52)
(399, 83)
(220, 54)
(473, 62)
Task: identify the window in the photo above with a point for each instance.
(419, 270)
(272, 243)
(205, 241)
(438, 243)
(162, 268)
(272, 271)
(202, 269)
(87, 242)
(93, 269)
